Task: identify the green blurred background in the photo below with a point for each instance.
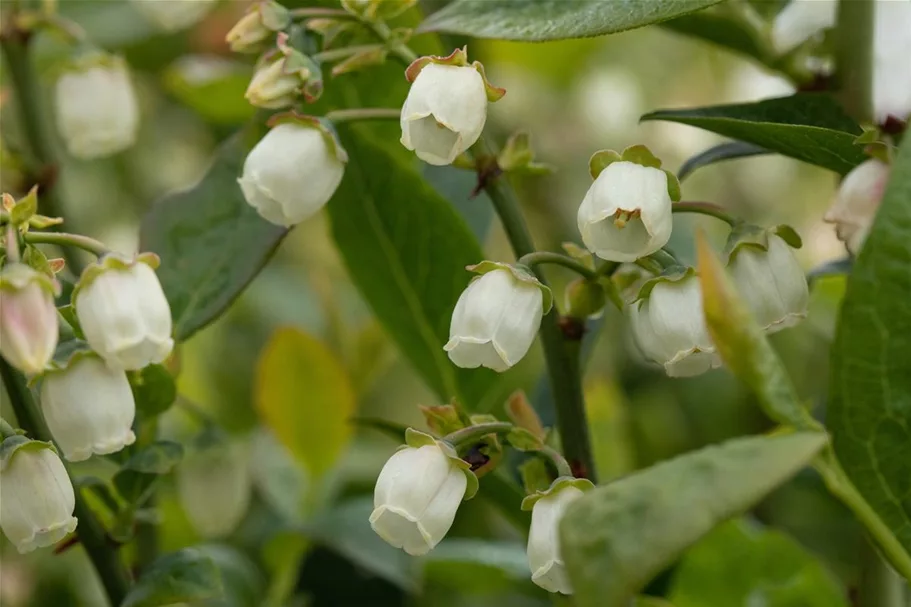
(305, 539)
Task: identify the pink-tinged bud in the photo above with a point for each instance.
(857, 201)
(28, 318)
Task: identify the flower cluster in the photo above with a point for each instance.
(123, 323)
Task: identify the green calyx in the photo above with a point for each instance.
(417, 439)
(17, 276)
(747, 235)
(112, 261)
(637, 154)
(324, 126)
(272, 15)
(517, 156)
(519, 273)
(582, 484)
(672, 274)
(66, 355)
(91, 58)
(296, 63)
(458, 58)
(19, 443)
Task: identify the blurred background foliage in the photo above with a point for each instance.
(299, 353)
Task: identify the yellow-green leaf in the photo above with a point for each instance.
(304, 395)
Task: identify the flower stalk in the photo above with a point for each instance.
(545, 257)
(63, 239)
(704, 208)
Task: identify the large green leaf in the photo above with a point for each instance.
(406, 249)
(730, 150)
(740, 563)
(554, 19)
(808, 127)
(870, 410)
(135, 478)
(305, 397)
(617, 537)
(186, 576)
(211, 242)
(476, 566)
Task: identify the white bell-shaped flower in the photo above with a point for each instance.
(669, 326)
(28, 318)
(292, 173)
(857, 201)
(891, 66)
(626, 213)
(36, 509)
(771, 282)
(123, 312)
(444, 113)
(418, 493)
(96, 107)
(496, 318)
(544, 558)
(89, 408)
(800, 20)
(214, 487)
(173, 15)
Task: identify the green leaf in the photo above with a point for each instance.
(733, 34)
(153, 389)
(721, 152)
(536, 20)
(406, 250)
(743, 346)
(211, 242)
(869, 414)
(137, 475)
(741, 564)
(242, 580)
(477, 566)
(346, 530)
(809, 127)
(316, 428)
(212, 86)
(617, 537)
(185, 576)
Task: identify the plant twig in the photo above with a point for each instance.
(64, 240)
(854, 57)
(104, 556)
(545, 257)
(704, 208)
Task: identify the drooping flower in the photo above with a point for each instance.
(857, 201)
(89, 407)
(28, 318)
(800, 20)
(669, 326)
(96, 108)
(123, 311)
(292, 172)
(38, 498)
(891, 67)
(496, 318)
(418, 493)
(626, 213)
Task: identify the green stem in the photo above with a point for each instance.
(854, 57)
(842, 487)
(314, 13)
(344, 53)
(104, 556)
(879, 585)
(704, 208)
(607, 268)
(358, 114)
(560, 354)
(544, 257)
(400, 50)
(559, 462)
(62, 239)
(41, 161)
(472, 434)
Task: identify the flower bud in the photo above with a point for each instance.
(123, 312)
(771, 282)
(626, 213)
(444, 112)
(213, 485)
(89, 408)
(669, 326)
(544, 558)
(38, 498)
(496, 318)
(28, 318)
(173, 15)
(292, 172)
(584, 298)
(799, 21)
(857, 201)
(418, 493)
(283, 76)
(96, 107)
(891, 67)
(254, 30)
